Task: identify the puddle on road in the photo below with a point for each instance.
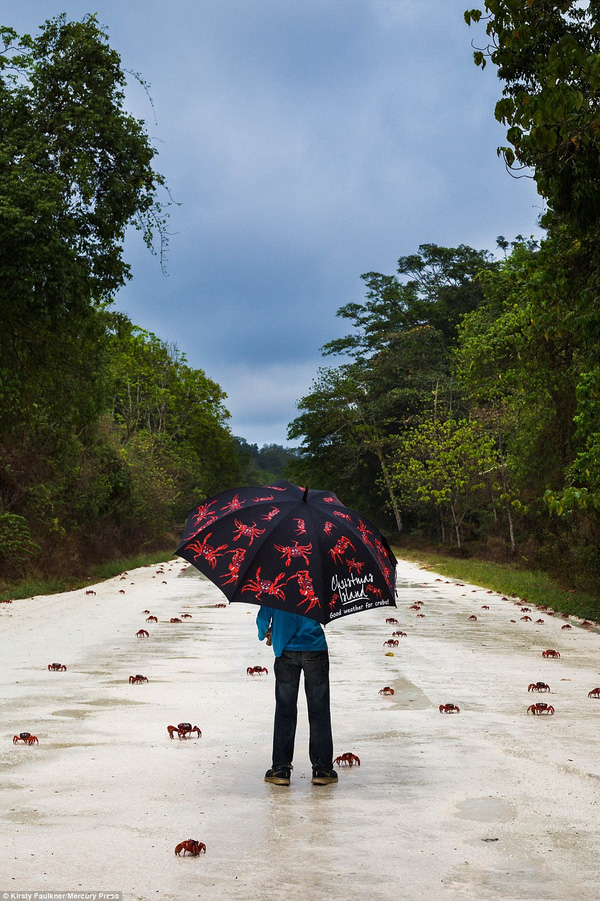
(486, 810)
(407, 695)
(79, 713)
(112, 702)
(26, 817)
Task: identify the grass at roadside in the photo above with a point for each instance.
(535, 586)
(30, 587)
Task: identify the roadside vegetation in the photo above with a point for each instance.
(530, 586)
(31, 587)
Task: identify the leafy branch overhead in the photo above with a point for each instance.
(76, 168)
(548, 56)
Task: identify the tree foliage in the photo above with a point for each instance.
(443, 464)
(107, 436)
(548, 57)
(400, 373)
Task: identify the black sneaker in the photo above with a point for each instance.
(279, 775)
(322, 776)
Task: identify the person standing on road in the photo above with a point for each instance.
(299, 645)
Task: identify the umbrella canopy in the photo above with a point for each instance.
(291, 548)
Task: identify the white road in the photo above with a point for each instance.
(486, 804)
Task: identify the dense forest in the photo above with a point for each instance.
(461, 408)
(107, 435)
(466, 408)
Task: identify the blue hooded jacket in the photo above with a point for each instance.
(290, 631)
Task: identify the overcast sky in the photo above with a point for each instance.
(307, 143)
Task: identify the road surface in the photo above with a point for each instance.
(489, 803)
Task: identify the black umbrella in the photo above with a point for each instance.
(291, 548)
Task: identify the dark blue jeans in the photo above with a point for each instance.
(315, 665)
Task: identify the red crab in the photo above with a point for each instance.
(473, 618)
(347, 759)
(152, 619)
(449, 708)
(234, 566)
(539, 622)
(271, 514)
(249, 532)
(399, 634)
(265, 586)
(356, 566)
(566, 627)
(391, 621)
(186, 615)
(298, 550)
(541, 709)
(257, 670)
(183, 730)
(364, 533)
(305, 586)
(391, 643)
(538, 686)
(204, 512)
(386, 691)
(204, 549)
(234, 504)
(340, 548)
(175, 619)
(137, 680)
(142, 634)
(550, 653)
(190, 846)
(26, 737)
(57, 667)
(340, 514)
(376, 592)
(594, 693)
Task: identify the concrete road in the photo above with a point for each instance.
(489, 803)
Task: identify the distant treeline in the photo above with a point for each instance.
(467, 408)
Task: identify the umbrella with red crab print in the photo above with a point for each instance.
(296, 549)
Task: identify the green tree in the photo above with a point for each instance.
(548, 56)
(178, 410)
(443, 465)
(76, 170)
(402, 366)
(436, 288)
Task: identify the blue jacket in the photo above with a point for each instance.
(290, 631)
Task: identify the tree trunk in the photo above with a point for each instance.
(456, 525)
(390, 488)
